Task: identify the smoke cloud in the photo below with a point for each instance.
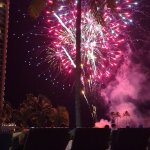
(129, 92)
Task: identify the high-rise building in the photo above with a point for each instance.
(4, 14)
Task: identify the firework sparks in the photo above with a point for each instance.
(102, 46)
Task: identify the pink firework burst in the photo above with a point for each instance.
(102, 46)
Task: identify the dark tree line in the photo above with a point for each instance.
(35, 112)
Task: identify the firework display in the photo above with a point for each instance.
(115, 58)
(102, 44)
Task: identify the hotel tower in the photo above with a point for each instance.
(4, 14)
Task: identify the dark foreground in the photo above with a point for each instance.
(80, 139)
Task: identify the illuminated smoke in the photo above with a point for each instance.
(102, 123)
(129, 92)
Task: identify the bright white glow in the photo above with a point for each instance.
(72, 62)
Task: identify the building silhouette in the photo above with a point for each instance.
(4, 16)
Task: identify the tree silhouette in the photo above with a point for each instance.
(126, 114)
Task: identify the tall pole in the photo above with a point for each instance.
(78, 66)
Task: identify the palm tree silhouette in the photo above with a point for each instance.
(126, 115)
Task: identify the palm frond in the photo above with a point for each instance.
(36, 7)
(111, 4)
(97, 7)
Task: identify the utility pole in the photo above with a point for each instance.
(78, 66)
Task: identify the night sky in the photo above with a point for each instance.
(25, 76)
(22, 72)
